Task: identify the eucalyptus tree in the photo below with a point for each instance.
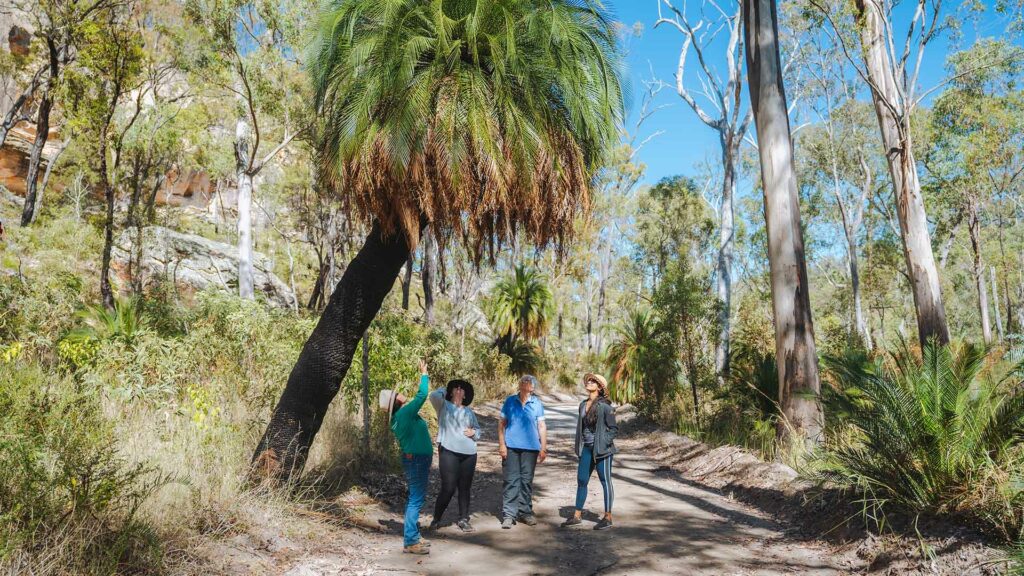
(890, 63)
(480, 118)
(728, 117)
(797, 359)
(977, 154)
(248, 51)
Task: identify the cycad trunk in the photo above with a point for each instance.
(799, 387)
(427, 275)
(327, 354)
(894, 125)
(974, 228)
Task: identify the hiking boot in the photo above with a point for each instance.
(528, 519)
(507, 522)
(417, 548)
(572, 521)
(603, 524)
(434, 525)
(465, 526)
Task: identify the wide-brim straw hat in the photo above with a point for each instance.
(596, 378)
(386, 399)
(452, 384)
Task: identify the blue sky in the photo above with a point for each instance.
(686, 140)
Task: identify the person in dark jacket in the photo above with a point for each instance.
(595, 447)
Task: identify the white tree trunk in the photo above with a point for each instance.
(796, 356)
(244, 180)
(245, 273)
(894, 125)
(724, 269)
(978, 268)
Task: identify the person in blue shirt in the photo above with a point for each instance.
(522, 443)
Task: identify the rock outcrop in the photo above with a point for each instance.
(197, 263)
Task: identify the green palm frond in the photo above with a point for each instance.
(926, 426)
(485, 116)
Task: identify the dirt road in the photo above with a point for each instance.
(664, 524)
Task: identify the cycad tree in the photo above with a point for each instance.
(928, 431)
(635, 357)
(479, 117)
(521, 306)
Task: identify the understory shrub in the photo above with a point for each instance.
(69, 499)
(937, 433)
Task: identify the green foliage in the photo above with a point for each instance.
(488, 115)
(638, 359)
(63, 478)
(929, 434)
(520, 310)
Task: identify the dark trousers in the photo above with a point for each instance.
(456, 473)
(519, 467)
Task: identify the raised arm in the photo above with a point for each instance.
(421, 394)
(437, 401)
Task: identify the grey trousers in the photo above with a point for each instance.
(518, 495)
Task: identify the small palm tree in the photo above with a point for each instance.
(925, 430)
(630, 353)
(521, 305)
(124, 322)
(520, 310)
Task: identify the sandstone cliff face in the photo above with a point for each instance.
(195, 263)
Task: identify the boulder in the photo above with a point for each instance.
(197, 263)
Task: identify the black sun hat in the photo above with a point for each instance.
(453, 384)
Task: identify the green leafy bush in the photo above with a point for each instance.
(939, 433)
(64, 487)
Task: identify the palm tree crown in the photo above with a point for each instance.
(480, 116)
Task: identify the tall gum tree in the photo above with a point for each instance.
(480, 118)
(799, 385)
(729, 118)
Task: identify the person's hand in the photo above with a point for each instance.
(423, 366)
(469, 432)
(503, 451)
(542, 456)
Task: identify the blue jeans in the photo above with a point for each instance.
(604, 473)
(417, 473)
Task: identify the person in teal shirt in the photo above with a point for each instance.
(417, 452)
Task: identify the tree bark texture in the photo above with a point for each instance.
(995, 304)
(978, 269)
(427, 276)
(244, 180)
(327, 354)
(894, 125)
(106, 290)
(797, 360)
(725, 254)
(366, 391)
(35, 159)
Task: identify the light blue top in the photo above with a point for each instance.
(452, 421)
(522, 422)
